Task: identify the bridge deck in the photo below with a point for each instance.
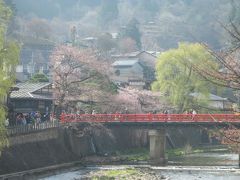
(151, 118)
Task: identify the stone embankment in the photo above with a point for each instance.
(71, 143)
(62, 145)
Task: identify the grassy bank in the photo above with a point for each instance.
(124, 174)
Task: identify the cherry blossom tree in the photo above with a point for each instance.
(72, 67)
(130, 100)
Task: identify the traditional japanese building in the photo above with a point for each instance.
(32, 97)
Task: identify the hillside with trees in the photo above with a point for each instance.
(166, 22)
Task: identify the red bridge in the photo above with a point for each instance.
(152, 118)
(157, 124)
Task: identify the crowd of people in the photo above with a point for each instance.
(31, 118)
(191, 111)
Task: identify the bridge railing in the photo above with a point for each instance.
(185, 118)
(22, 129)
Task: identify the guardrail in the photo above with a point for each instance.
(106, 118)
(24, 129)
(167, 118)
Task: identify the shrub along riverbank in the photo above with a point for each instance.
(125, 174)
(142, 154)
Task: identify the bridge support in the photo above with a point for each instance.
(239, 160)
(157, 140)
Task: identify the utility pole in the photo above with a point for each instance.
(32, 65)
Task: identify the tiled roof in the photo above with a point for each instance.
(26, 91)
(217, 98)
(131, 54)
(134, 54)
(125, 63)
(212, 97)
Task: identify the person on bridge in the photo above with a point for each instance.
(193, 113)
(126, 110)
(167, 117)
(117, 116)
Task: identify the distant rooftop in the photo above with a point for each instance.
(115, 35)
(125, 63)
(134, 54)
(131, 54)
(212, 97)
(90, 39)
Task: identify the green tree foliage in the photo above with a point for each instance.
(11, 5)
(13, 26)
(177, 79)
(175, 20)
(132, 31)
(9, 52)
(108, 11)
(105, 42)
(39, 77)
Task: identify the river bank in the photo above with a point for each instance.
(184, 163)
(205, 164)
(66, 144)
(147, 172)
(184, 159)
(177, 156)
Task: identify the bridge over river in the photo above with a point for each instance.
(154, 119)
(156, 123)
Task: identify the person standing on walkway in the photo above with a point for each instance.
(6, 122)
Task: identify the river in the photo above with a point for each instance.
(204, 166)
(172, 172)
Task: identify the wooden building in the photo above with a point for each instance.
(32, 97)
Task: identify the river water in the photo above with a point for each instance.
(204, 166)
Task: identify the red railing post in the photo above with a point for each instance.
(62, 118)
(150, 118)
(121, 117)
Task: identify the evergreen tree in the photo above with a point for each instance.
(39, 77)
(132, 31)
